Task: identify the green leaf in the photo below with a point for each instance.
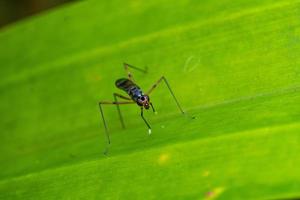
(233, 65)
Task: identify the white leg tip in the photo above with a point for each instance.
(149, 131)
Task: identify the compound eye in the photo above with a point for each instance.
(143, 98)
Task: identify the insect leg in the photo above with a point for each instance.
(118, 107)
(142, 115)
(152, 107)
(126, 66)
(102, 114)
(169, 87)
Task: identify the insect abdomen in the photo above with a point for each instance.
(129, 87)
(124, 84)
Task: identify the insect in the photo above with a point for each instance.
(135, 96)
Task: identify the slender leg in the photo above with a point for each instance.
(118, 107)
(126, 66)
(142, 115)
(165, 80)
(102, 114)
(152, 107)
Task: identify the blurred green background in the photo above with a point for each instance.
(233, 65)
(14, 10)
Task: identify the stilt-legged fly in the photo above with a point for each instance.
(135, 95)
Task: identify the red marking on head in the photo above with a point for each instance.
(144, 101)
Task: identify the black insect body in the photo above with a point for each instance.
(135, 95)
(134, 91)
